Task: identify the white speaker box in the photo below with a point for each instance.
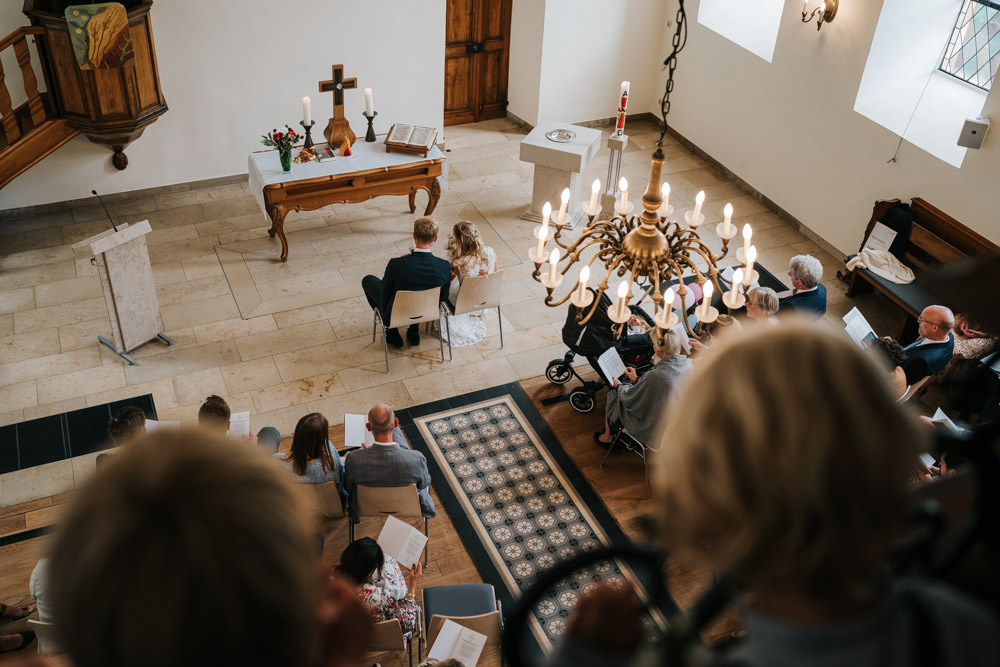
(974, 131)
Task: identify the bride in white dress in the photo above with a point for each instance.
(469, 257)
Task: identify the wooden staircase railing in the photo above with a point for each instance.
(33, 130)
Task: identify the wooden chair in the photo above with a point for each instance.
(913, 389)
(46, 636)
(472, 606)
(388, 637)
(409, 307)
(402, 502)
(633, 445)
(476, 293)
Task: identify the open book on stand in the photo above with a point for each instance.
(410, 138)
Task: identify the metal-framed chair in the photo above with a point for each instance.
(473, 606)
(913, 389)
(388, 637)
(476, 293)
(633, 445)
(409, 307)
(402, 502)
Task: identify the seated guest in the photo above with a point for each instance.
(638, 405)
(128, 424)
(795, 492)
(380, 582)
(469, 258)
(808, 295)
(416, 271)
(930, 353)
(388, 462)
(269, 439)
(890, 355)
(707, 333)
(312, 459)
(594, 337)
(972, 343)
(183, 550)
(762, 306)
(213, 415)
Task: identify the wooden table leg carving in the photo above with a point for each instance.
(435, 195)
(278, 214)
(413, 199)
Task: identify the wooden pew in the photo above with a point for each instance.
(936, 239)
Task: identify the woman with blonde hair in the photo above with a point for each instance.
(762, 305)
(469, 257)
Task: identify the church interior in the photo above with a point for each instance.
(811, 127)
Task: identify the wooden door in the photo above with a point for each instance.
(476, 59)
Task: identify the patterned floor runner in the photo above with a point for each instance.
(516, 498)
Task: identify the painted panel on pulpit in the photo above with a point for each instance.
(100, 35)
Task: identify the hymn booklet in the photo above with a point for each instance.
(411, 138)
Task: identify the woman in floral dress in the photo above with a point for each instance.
(381, 584)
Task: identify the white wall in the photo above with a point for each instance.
(587, 48)
(230, 74)
(753, 24)
(789, 128)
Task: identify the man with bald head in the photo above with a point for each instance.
(388, 462)
(930, 353)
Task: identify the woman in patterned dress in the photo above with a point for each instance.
(469, 257)
(380, 582)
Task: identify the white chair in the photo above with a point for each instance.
(46, 636)
(409, 307)
(476, 293)
(402, 502)
(913, 389)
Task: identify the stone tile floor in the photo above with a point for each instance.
(307, 343)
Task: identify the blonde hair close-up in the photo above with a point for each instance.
(425, 230)
(467, 241)
(185, 549)
(783, 462)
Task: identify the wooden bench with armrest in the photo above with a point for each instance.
(935, 239)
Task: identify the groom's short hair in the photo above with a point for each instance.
(425, 230)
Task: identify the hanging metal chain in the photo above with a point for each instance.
(670, 64)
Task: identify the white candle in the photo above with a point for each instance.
(553, 260)
(623, 186)
(306, 111)
(624, 92)
(668, 299)
(546, 214)
(582, 289)
(706, 298)
(747, 233)
(737, 277)
(698, 201)
(805, 6)
(751, 258)
(594, 189)
(369, 104)
(727, 223)
(623, 290)
(541, 234)
(564, 202)
(665, 193)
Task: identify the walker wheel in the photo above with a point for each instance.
(558, 372)
(581, 400)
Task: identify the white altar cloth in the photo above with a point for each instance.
(265, 168)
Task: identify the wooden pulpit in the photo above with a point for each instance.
(127, 278)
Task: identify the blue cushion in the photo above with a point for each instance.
(458, 600)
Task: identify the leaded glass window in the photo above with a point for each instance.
(974, 52)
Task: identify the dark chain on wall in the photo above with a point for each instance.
(670, 64)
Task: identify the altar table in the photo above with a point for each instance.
(369, 173)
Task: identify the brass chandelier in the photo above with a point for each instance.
(650, 248)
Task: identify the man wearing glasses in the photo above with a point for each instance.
(931, 352)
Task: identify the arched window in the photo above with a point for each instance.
(973, 54)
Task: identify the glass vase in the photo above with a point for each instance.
(285, 155)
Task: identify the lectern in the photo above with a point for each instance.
(127, 278)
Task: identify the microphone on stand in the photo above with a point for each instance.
(94, 192)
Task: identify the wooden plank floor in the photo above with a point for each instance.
(620, 484)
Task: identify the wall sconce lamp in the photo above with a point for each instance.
(826, 12)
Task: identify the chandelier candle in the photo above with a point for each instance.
(594, 190)
(728, 221)
(581, 291)
(696, 213)
(541, 234)
(553, 260)
(706, 300)
(306, 111)
(749, 272)
(665, 194)
(733, 299)
(747, 233)
(623, 186)
(665, 319)
(623, 290)
(564, 202)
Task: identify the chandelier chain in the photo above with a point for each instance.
(678, 43)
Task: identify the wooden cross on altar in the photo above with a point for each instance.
(337, 85)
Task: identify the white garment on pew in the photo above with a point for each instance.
(882, 263)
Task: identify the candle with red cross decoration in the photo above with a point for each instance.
(622, 105)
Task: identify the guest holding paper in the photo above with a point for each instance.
(380, 582)
(469, 257)
(312, 459)
(638, 405)
(416, 271)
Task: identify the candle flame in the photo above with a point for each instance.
(596, 187)
(665, 189)
(707, 290)
(668, 298)
(547, 209)
(728, 211)
(584, 275)
(622, 289)
(737, 277)
(747, 232)
(564, 197)
(623, 184)
(700, 198)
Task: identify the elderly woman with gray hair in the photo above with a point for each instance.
(638, 405)
(808, 295)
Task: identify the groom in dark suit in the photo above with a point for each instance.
(416, 271)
